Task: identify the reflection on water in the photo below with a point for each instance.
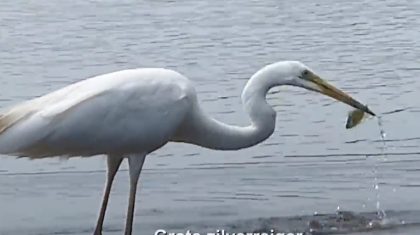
(311, 163)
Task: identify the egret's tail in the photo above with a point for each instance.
(18, 129)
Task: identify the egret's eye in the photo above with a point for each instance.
(304, 74)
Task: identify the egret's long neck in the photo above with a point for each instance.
(207, 132)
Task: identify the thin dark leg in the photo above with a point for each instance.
(135, 163)
(113, 163)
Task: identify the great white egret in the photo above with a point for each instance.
(131, 113)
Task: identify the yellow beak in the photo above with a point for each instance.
(331, 91)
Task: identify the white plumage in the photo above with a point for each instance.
(131, 113)
(116, 113)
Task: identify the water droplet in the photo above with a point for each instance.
(374, 224)
(333, 228)
(383, 134)
(381, 214)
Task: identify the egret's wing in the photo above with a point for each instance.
(49, 106)
(59, 101)
(27, 123)
(111, 113)
(10, 117)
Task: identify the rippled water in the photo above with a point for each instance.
(310, 164)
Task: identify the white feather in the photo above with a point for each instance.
(111, 113)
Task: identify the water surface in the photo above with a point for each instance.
(310, 164)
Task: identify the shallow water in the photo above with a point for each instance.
(310, 164)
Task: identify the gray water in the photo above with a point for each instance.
(311, 164)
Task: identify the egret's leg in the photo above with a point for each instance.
(113, 164)
(135, 163)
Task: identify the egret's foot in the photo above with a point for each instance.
(98, 232)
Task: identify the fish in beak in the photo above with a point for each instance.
(323, 87)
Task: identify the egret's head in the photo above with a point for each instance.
(300, 75)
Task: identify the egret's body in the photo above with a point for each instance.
(131, 113)
(123, 112)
